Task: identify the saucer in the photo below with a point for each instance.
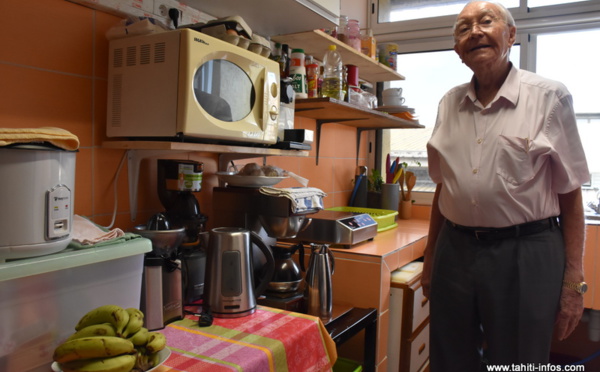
(395, 109)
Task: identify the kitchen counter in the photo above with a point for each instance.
(362, 277)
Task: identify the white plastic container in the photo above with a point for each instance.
(43, 298)
(298, 73)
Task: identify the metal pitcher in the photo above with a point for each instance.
(318, 291)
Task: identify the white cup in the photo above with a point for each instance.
(392, 97)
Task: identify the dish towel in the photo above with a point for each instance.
(87, 234)
(56, 136)
(304, 199)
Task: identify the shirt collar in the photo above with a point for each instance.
(509, 90)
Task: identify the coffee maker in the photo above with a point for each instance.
(177, 181)
(174, 270)
(271, 218)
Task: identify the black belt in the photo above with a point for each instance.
(490, 233)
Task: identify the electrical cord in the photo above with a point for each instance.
(585, 360)
(115, 190)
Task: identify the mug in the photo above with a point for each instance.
(392, 97)
(393, 101)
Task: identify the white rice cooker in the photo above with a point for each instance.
(36, 194)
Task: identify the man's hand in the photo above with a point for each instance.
(571, 309)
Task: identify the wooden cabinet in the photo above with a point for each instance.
(408, 338)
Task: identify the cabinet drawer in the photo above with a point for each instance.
(420, 310)
(419, 349)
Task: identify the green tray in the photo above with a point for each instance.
(385, 218)
(346, 365)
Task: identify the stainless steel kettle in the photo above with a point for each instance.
(230, 287)
(318, 292)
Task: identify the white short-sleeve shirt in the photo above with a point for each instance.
(506, 163)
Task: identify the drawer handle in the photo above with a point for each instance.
(421, 349)
(424, 301)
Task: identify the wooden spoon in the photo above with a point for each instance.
(411, 180)
(401, 180)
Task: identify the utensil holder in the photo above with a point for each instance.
(390, 196)
(405, 209)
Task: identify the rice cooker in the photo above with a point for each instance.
(36, 195)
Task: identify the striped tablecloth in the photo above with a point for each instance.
(268, 340)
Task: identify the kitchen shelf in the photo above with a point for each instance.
(316, 42)
(273, 17)
(139, 150)
(330, 111)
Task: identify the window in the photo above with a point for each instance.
(583, 82)
(402, 10)
(548, 42)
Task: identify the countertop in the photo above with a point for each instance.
(389, 242)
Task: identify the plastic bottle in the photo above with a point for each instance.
(332, 74)
(312, 77)
(368, 44)
(298, 73)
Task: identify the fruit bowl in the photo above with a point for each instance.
(234, 179)
(163, 355)
(164, 242)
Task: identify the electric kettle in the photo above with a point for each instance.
(231, 290)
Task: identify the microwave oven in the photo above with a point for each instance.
(186, 85)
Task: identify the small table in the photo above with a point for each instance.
(347, 325)
(268, 340)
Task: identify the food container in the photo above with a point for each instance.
(44, 297)
(260, 45)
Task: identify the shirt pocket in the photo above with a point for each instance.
(513, 159)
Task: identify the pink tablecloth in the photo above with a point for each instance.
(268, 340)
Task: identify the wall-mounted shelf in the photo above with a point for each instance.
(316, 42)
(273, 17)
(329, 111)
(139, 150)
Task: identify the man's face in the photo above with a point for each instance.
(482, 37)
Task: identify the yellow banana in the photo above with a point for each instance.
(121, 363)
(136, 321)
(105, 329)
(91, 347)
(140, 338)
(113, 314)
(156, 342)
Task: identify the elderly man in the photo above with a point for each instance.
(503, 264)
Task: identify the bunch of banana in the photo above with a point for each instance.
(110, 339)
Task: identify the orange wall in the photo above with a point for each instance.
(53, 72)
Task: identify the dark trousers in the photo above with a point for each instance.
(495, 299)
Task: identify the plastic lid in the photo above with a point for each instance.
(298, 51)
(332, 47)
